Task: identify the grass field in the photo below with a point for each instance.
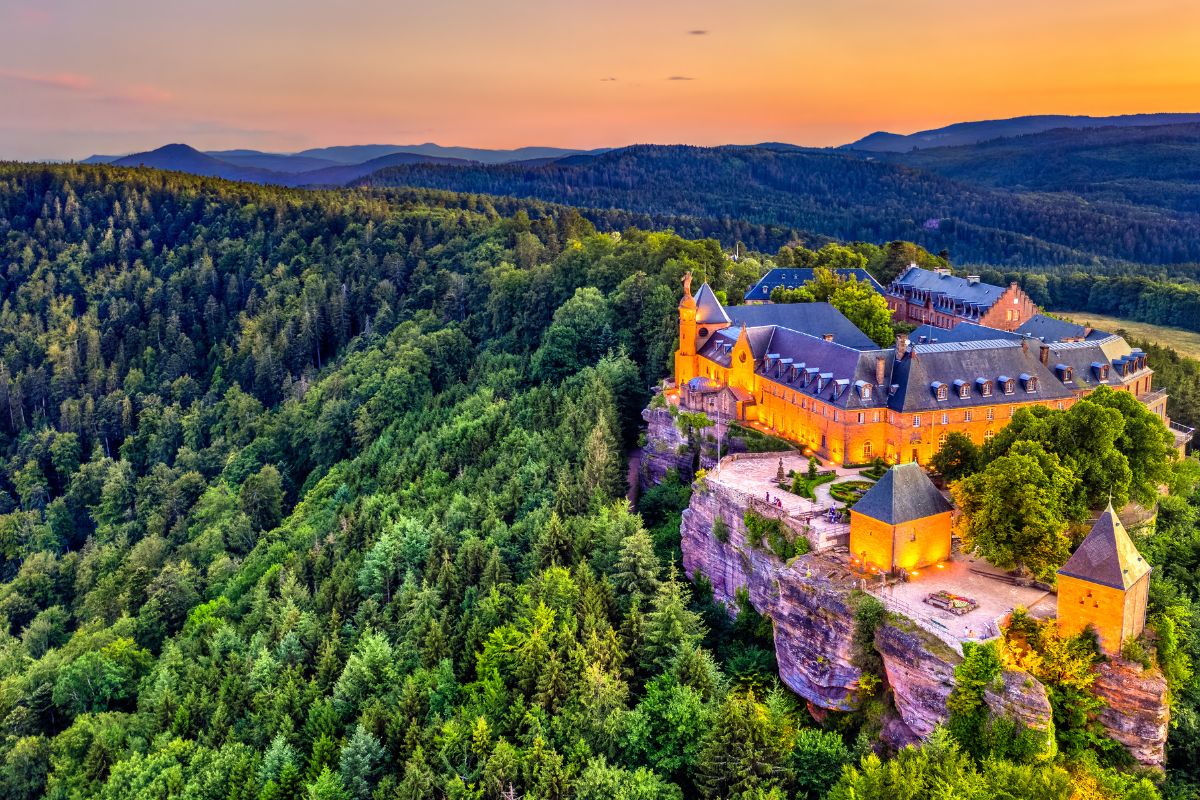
(1185, 343)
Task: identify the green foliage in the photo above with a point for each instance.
(1015, 510)
(784, 544)
(720, 530)
(957, 458)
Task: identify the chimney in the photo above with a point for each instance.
(1045, 355)
(901, 345)
(972, 279)
(1087, 331)
(880, 366)
(828, 337)
(1025, 346)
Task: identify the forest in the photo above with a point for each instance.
(321, 495)
(839, 194)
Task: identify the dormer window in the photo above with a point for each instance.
(1029, 382)
(940, 390)
(985, 386)
(1065, 373)
(864, 390)
(963, 388)
(1007, 384)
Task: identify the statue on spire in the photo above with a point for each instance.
(687, 284)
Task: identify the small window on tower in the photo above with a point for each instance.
(704, 331)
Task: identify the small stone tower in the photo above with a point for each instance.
(685, 356)
(902, 522)
(1104, 584)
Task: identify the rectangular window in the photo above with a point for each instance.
(861, 418)
(916, 420)
(945, 418)
(966, 416)
(991, 414)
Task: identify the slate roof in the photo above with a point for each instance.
(795, 277)
(962, 332)
(990, 359)
(1107, 555)
(982, 295)
(903, 494)
(1049, 329)
(816, 319)
(708, 307)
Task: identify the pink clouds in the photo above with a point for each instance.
(134, 94)
(70, 81)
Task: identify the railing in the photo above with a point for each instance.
(1153, 397)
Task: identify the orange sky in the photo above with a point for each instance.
(79, 76)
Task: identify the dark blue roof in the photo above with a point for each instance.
(795, 277)
(962, 332)
(817, 319)
(903, 494)
(1049, 329)
(708, 308)
(983, 295)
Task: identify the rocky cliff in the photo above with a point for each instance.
(1136, 713)
(813, 621)
(665, 450)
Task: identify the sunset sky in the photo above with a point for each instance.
(79, 76)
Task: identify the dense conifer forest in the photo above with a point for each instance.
(840, 194)
(321, 494)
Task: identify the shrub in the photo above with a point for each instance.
(720, 530)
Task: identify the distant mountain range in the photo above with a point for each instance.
(324, 166)
(1085, 194)
(962, 133)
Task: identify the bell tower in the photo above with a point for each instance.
(685, 356)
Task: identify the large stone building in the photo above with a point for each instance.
(943, 300)
(901, 523)
(807, 373)
(1104, 585)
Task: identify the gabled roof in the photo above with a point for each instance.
(1107, 555)
(962, 332)
(708, 307)
(980, 294)
(795, 277)
(990, 359)
(815, 319)
(903, 494)
(1049, 329)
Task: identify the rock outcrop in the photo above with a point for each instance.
(920, 672)
(1136, 713)
(1020, 697)
(814, 627)
(666, 448)
(812, 617)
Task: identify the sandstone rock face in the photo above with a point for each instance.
(1022, 698)
(1136, 712)
(814, 625)
(920, 672)
(813, 621)
(664, 443)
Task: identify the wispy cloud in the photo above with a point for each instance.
(607, 80)
(681, 78)
(139, 95)
(698, 32)
(69, 81)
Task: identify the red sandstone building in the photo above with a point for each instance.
(942, 300)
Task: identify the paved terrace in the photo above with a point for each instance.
(754, 475)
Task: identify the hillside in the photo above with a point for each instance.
(838, 194)
(961, 133)
(1154, 166)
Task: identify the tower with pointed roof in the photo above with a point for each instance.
(902, 522)
(700, 316)
(1104, 585)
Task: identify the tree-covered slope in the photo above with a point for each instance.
(839, 194)
(321, 495)
(1153, 166)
